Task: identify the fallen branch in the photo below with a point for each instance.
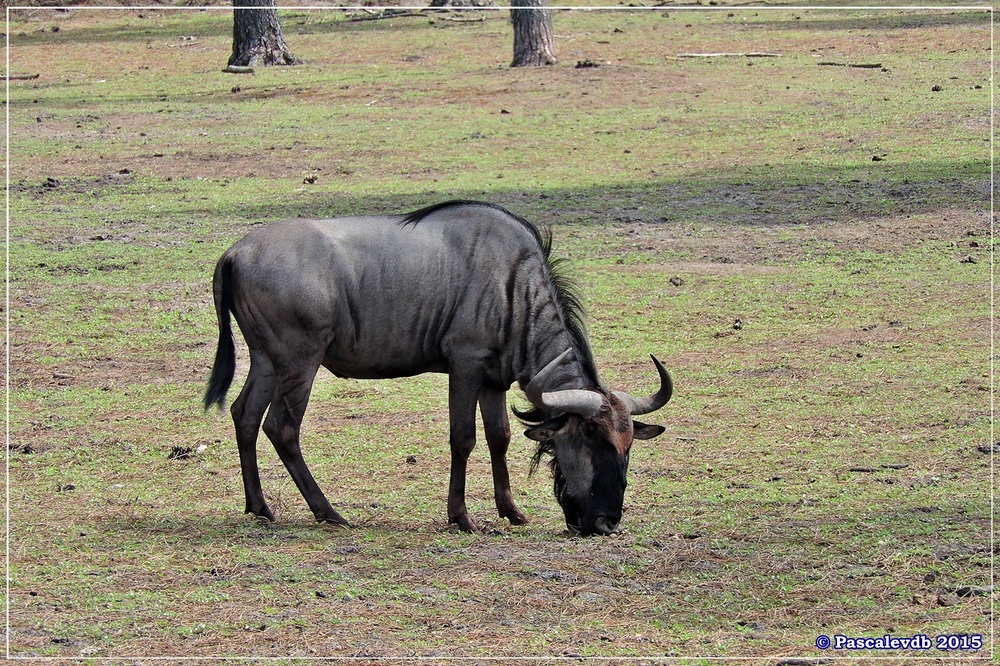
(463, 19)
(862, 65)
(386, 14)
(236, 69)
(429, 12)
(748, 54)
(22, 77)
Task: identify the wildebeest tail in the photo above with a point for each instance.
(224, 367)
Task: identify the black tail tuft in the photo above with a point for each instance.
(224, 367)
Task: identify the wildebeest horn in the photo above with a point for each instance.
(653, 402)
(536, 386)
(575, 401)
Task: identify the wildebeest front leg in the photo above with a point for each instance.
(493, 406)
(282, 427)
(462, 396)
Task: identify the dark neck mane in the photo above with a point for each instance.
(568, 300)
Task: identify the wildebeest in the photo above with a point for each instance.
(463, 288)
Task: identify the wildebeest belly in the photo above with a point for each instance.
(399, 330)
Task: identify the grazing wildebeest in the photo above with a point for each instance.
(463, 288)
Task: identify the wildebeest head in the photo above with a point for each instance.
(589, 437)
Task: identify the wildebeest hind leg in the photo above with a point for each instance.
(248, 411)
(282, 426)
(493, 406)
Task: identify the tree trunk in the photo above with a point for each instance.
(257, 38)
(532, 33)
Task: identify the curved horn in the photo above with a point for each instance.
(575, 401)
(536, 386)
(655, 401)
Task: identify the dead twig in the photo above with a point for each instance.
(386, 14)
(747, 54)
(462, 19)
(862, 65)
(375, 15)
(22, 77)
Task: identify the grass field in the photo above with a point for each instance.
(807, 246)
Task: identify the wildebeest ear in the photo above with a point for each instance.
(642, 431)
(545, 431)
(542, 433)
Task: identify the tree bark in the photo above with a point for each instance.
(533, 43)
(257, 38)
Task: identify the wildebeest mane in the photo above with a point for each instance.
(418, 215)
(565, 290)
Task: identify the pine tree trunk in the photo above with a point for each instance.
(533, 43)
(257, 38)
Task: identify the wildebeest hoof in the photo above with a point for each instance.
(263, 514)
(516, 518)
(335, 519)
(465, 524)
(336, 523)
